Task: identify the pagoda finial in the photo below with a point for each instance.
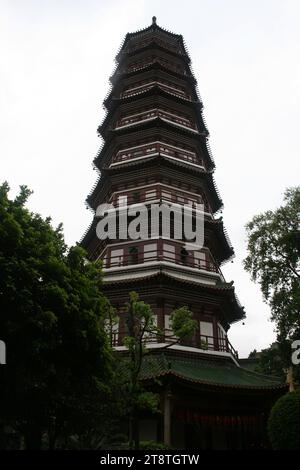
(153, 19)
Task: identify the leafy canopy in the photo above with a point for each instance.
(274, 261)
(51, 319)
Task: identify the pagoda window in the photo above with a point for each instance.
(105, 260)
(133, 255)
(136, 197)
(200, 259)
(150, 194)
(169, 335)
(222, 338)
(174, 117)
(116, 257)
(150, 252)
(206, 335)
(184, 255)
(180, 199)
(151, 335)
(166, 195)
(169, 252)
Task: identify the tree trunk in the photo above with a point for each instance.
(33, 437)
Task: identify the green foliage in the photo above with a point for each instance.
(148, 401)
(141, 326)
(182, 323)
(59, 364)
(284, 422)
(273, 261)
(270, 361)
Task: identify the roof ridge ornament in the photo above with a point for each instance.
(154, 20)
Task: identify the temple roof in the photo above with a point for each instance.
(206, 372)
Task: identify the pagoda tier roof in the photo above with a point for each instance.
(207, 372)
(163, 283)
(157, 121)
(153, 28)
(136, 169)
(112, 103)
(122, 74)
(148, 130)
(221, 245)
(153, 73)
(141, 167)
(123, 54)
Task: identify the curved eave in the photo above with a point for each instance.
(155, 90)
(112, 102)
(226, 251)
(107, 147)
(117, 76)
(149, 161)
(209, 384)
(173, 163)
(234, 311)
(158, 122)
(89, 234)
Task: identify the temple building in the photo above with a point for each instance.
(156, 150)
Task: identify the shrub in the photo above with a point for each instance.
(284, 422)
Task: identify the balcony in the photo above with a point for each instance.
(157, 148)
(184, 259)
(147, 86)
(155, 113)
(159, 196)
(166, 339)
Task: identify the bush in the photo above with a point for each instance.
(284, 422)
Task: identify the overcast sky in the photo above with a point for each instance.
(56, 57)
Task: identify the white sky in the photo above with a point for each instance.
(56, 57)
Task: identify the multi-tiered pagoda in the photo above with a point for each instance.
(156, 151)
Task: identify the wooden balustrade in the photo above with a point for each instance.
(125, 121)
(161, 148)
(206, 343)
(159, 255)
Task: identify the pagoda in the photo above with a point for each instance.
(156, 151)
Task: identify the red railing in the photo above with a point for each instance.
(159, 147)
(146, 86)
(155, 113)
(178, 198)
(204, 342)
(187, 260)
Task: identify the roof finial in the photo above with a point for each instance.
(153, 19)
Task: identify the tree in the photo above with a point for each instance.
(274, 262)
(284, 423)
(59, 363)
(141, 328)
(269, 361)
